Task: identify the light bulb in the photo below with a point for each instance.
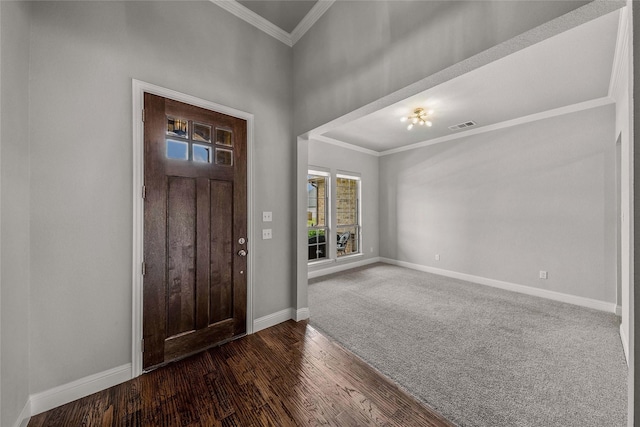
(421, 122)
(429, 123)
(414, 120)
(403, 119)
(410, 126)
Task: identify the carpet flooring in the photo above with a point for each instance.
(478, 355)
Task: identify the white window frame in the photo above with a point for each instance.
(358, 225)
(328, 216)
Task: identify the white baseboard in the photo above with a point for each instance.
(528, 290)
(273, 319)
(342, 267)
(625, 344)
(25, 415)
(302, 314)
(52, 398)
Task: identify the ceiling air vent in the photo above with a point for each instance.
(462, 125)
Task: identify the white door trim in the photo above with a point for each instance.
(139, 88)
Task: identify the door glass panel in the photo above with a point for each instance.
(224, 137)
(201, 133)
(177, 150)
(177, 127)
(224, 157)
(201, 153)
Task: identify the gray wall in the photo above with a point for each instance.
(340, 160)
(634, 333)
(83, 57)
(620, 92)
(71, 187)
(505, 204)
(360, 51)
(14, 201)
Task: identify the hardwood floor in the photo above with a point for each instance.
(287, 375)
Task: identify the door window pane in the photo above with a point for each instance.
(224, 137)
(201, 133)
(177, 127)
(224, 157)
(201, 153)
(177, 150)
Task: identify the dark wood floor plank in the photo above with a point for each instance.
(287, 375)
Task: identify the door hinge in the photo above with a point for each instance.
(144, 269)
(144, 192)
(142, 345)
(143, 115)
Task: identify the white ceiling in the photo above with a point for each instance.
(570, 68)
(286, 14)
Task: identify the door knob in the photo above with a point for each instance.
(242, 252)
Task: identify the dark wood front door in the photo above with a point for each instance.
(195, 229)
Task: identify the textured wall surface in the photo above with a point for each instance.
(14, 203)
(506, 204)
(359, 52)
(83, 57)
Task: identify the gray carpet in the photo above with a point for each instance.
(480, 356)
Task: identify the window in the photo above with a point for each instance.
(348, 215)
(317, 214)
(182, 144)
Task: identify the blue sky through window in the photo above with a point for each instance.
(177, 150)
(201, 154)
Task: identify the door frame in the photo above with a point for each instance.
(138, 90)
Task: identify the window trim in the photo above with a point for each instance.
(358, 225)
(331, 177)
(327, 220)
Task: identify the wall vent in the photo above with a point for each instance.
(463, 125)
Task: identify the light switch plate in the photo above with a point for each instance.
(267, 217)
(266, 234)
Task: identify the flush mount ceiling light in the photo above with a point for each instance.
(419, 116)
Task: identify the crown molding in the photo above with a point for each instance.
(343, 144)
(621, 54)
(574, 108)
(568, 109)
(249, 16)
(310, 19)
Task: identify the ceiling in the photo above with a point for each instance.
(570, 68)
(285, 14)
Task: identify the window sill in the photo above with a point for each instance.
(346, 258)
(320, 262)
(342, 259)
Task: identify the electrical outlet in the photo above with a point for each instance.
(267, 216)
(544, 274)
(266, 234)
(437, 257)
